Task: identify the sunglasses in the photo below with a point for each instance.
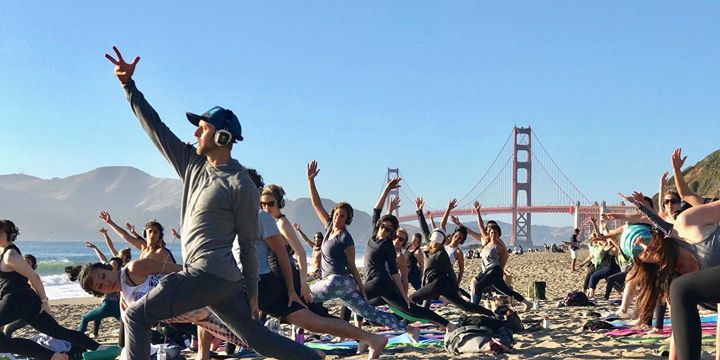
(268, 204)
(637, 250)
(671, 201)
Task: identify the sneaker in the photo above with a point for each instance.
(273, 325)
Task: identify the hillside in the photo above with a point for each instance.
(703, 178)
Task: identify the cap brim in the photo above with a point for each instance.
(194, 118)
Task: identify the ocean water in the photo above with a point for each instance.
(54, 255)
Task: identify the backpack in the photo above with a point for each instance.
(476, 339)
(577, 298)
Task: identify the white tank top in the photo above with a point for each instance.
(451, 251)
(132, 293)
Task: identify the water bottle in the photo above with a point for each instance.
(299, 334)
(162, 354)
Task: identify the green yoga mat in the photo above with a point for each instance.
(706, 340)
(407, 316)
(104, 354)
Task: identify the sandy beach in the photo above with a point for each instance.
(565, 338)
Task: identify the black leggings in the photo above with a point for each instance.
(27, 307)
(591, 269)
(615, 281)
(381, 290)
(686, 292)
(443, 286)
(493, 277)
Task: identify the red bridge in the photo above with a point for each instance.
(509, 182)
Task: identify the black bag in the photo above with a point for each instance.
(577, 298)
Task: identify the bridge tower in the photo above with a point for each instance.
(393, 174)
(521, 185)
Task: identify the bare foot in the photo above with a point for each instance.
(59, 356)
(377, 345)
(414, 333)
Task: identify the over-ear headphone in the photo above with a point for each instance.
(223, 137)
(348, 210)
(278, 193)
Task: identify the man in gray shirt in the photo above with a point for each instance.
(219, 205)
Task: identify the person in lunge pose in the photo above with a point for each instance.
(219, 206)
(22, 296)
(340, 277)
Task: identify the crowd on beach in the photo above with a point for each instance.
(244, 267)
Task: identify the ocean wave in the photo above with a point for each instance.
(60, 287)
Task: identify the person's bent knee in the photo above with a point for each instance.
(681, 290)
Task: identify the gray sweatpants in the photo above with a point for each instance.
(191, 289)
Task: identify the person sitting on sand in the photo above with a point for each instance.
(22, 296)
(439, 277)
(383, 284)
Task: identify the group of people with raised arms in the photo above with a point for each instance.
(241, 255)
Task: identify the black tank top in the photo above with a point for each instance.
(11, 282)
(412, 262)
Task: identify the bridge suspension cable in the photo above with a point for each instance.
(487, 172)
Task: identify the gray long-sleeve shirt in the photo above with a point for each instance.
(219, 203)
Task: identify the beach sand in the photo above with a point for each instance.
(565, 338)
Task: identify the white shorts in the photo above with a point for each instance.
(573, 254)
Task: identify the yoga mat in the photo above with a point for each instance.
(104, 354)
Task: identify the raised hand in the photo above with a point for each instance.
(677, 159)
(312, 170)
(296, 226)
(663, 178)
(105, 216)
(607, 216)
(130, 227)
(477, 207)
(455, 220)
(90, 245)
(452, 204)
(394, 204)
(419, 203)
(102, 230)
(123, 70)
(393, 184)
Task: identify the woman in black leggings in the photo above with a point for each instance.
(18, 300)
(439, 275)
(382, 279)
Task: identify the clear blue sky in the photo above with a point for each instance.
(610, 88)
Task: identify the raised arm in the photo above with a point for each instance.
(312, 172)
(303, 236)
(178, 153)
(682, 187)
(394, 205)
(108, 242)
(419, 204)
(142, 268)
(98, 253)
(470, 231)
(392, 184)
(137, 243)
(480, 223)
(131, 228)
(663, 181)
(452, 204)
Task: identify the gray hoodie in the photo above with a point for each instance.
(219, 203)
